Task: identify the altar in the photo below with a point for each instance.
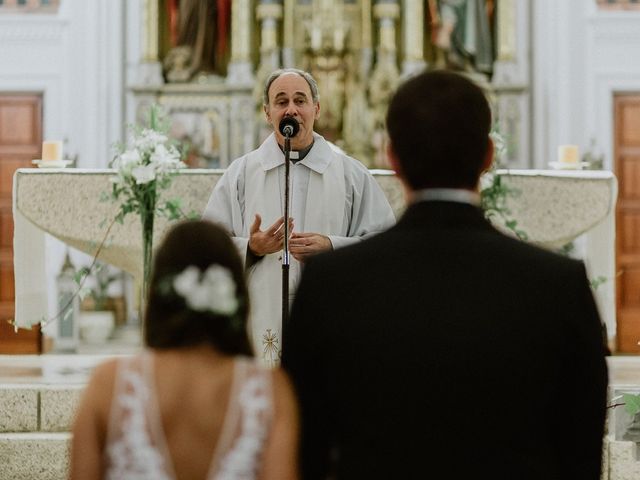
(552, 207)
(575, 208)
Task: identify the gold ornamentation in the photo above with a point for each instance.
(270, 348)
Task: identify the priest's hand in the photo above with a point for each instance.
(303, 245)
(270, 240)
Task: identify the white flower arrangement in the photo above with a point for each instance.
(142, 171)
(213, 290)
(151, 158)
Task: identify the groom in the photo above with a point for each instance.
(442, 348)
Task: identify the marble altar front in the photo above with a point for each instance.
(552, 207)
(555, 207)
(68, 204)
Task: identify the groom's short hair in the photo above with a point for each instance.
(438, 124)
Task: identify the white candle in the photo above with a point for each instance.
(52, 151)
(568, 154)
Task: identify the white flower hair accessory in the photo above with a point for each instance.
(213, 290)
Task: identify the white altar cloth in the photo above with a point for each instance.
(66, 203)
(553, 207)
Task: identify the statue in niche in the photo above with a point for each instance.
(329, 72)
(199, 31)
(384, 81)
(357, 121)
(461, 34)
(327, 39)
(200, 137)
(177, 63)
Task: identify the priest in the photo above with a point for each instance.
(334, 202)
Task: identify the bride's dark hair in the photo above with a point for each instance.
(169, 323)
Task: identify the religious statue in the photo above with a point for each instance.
(199, 30)
(461, 34)
(327, 36)
(357, 118)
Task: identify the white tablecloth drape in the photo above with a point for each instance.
(553, 207)
(66, 203)
(29, 269)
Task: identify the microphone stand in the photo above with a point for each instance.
(285, 247)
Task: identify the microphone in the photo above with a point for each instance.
(289, 127)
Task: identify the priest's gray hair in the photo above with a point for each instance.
(313, 85)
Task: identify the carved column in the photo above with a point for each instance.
(288, 41)
(511, 81)
(413, 37)
(385, 73)
(385, 76)
(240, 71)
(386, 12)
(150, 41)
(268, 13)
(150, 69)
(367, 42)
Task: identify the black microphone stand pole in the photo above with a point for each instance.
(285, 247)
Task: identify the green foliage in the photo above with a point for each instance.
(494, 194)
(597, 281)
(99, 291)
(493, 198)
(567, 249)
(143, 170)
(631, 403)
(135, 193)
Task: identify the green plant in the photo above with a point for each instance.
(494, 193)
(630, 402)
(143, 170)
(101, 278)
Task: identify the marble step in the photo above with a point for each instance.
(34, 455)
(44, 456)
(621, 460)
(38, 408)
(40, 393)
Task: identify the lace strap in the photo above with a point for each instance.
(254, 403)
(129, 446)
(119, 386)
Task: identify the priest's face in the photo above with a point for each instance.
(290, 96)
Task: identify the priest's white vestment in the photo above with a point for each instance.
(330, 193)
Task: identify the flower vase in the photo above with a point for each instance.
(147, 251)
(147, 216)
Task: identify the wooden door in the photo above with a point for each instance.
(20, 142)
(627, 169)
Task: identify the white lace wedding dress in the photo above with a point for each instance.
(137, 449)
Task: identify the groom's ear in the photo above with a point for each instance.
(394, 161)
(487, 162)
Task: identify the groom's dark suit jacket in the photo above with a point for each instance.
(445, 347)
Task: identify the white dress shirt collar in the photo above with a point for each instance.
(458, 195)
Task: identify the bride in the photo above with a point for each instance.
(193, 404)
